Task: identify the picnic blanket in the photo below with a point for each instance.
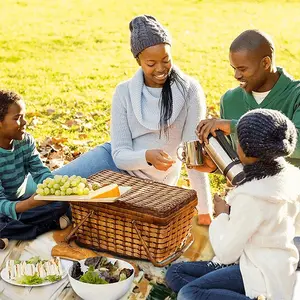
(146, 273)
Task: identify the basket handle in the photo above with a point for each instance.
(73, 231)
(169, 259)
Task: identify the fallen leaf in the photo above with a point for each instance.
(79, 115)
(56, 163)
(56, 147)
(44, 151)
(32, 114)
(59, 140)
(46, 142)
(56, 155)
(50, 111)
(82, 136)
(74, 122)
(76, 154)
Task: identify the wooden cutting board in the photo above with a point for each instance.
(86, 198)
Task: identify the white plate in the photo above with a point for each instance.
(74, 198)
(4, 276)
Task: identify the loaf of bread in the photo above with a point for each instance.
(64, 250)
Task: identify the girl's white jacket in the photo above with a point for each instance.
(259, 233)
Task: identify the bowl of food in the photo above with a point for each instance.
(100, 277)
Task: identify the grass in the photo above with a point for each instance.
(68, 55)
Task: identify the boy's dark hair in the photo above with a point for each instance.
(7, 98)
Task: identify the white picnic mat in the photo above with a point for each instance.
(62, 290)
(23, 250)
(58, 291)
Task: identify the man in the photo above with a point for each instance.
(262, 85)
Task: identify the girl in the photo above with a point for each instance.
(264, 216)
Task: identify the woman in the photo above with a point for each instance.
(264, 217)
(152, 114)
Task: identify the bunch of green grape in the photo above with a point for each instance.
(63, 186)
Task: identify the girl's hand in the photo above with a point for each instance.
(220, 206)
(159, 159)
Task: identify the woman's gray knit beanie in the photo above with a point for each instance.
(146, 31)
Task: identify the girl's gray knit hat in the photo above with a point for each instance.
(146, 31)
(266, 134)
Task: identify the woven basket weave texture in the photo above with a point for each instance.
(162, 214)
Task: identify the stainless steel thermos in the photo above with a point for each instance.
(226, 159)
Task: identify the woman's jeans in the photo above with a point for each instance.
(89, 163)
(206, 280)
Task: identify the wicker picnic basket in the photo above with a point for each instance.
(150, 221)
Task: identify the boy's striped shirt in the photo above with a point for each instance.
(15, 165)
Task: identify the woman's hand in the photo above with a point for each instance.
(209, 126)
(159, 159)
(220, 206)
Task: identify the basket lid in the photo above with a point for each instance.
(146, 196)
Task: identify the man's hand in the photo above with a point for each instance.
(220, 206)
(205, 127)
(159, 159)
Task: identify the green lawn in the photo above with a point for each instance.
(68, 55)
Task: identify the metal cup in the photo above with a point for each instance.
(193, 153)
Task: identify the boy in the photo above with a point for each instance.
(21, 217)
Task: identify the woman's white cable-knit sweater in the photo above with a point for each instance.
(135, 129)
